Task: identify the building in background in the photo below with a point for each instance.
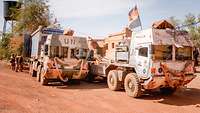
(115, 39)
(97, 45)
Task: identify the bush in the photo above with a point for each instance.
(4, 54)
(4, 47)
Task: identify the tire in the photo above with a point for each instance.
(43, 79)
(132, 85)
(112, 80)
(39, 73)
(167, 90)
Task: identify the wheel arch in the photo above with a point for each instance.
(109, 68)
(113, 67)
(125, 71)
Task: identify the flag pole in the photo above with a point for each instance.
(140, 23)
(137, 4)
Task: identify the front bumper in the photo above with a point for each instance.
(172, 81)
(69, 73)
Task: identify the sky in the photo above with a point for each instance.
(99, 18)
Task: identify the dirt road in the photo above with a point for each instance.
(20, 93)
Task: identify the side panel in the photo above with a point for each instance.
(35, 44)
(27, 45)
(139, 39)
(37, 41)
(143, 61)
(142, 64)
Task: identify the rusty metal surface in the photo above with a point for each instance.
(78, 71)
(172, 77)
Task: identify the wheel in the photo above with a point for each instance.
(112, 81)
(43, 79)
(167, 90)
(132, 85)
(39, 73)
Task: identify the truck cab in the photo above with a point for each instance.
(157, 59)
(153, 48)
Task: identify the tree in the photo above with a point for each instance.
(4, 47)
(175, 22)
(193, 28)
(191, 23)
(31, 15)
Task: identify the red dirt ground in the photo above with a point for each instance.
(20, 93)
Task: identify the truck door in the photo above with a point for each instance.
(142, 61)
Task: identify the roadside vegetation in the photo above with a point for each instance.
(4, 47)
(191, 23)
(31, 15)
(35, 13)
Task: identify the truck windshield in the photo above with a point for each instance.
(64, 52)
(184, 53)
(162, 52)
(54, 51)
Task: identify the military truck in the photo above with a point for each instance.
(33, 45)
(62, 58)
(57, 57)
(156, 59)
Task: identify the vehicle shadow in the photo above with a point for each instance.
(190, 96)
(81, 85)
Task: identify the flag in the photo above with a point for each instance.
(134, 19)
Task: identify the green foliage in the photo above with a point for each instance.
(32, 14)
(4, 47)
(193, 29)
(4, 43)
(190, 26)
(20, 49)
(6, 50)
